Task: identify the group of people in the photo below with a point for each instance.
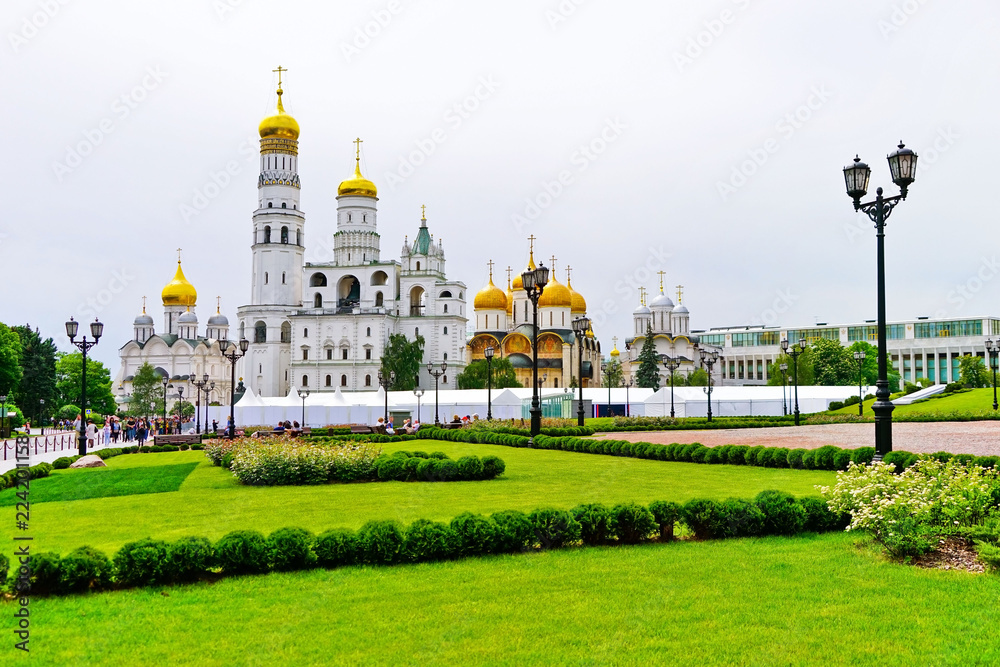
(409, 427)
(132, 429)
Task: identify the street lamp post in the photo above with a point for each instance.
(3, 416)
(418, 392)
(794, 354)
(436, 373)
(627, 386)
(607, 381)
(903, 168)
(96, 330)
(784, 386)
(166, 383)
(672, 365)
(994, 351)
(859, 356)
(489, 351)
(304, 394)
(233, 355)
(709, 358)
(180, 408)
(580, 327)
(534, 282)
(200, 386)
(386, 381)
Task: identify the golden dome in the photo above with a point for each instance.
(555, 295)
(518, 283)
(179, 292)
(578, 305)
(490, 297)
(615, 352)
(279, 125)
(590, 333)
(357, 185)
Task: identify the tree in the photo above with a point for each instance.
(833, 365)
(38, 380)
(474, 375)
(10, 360)
(696, 378)
(869, 367)
(648, 375)
(972, 372)
(69, 368)
(186, 409)
(147, 392)
(613, 374)
(805, 369)
(403, 357)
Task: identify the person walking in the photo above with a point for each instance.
(106, 432)
(91, 434)
(142, 429)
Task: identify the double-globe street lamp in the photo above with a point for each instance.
(418, 392)
(709, 358)
(96, 330)
(202, 385)
(233, 353)
(534, 282)
(488, 352)
(784, 386)
(385, 380)
(903, 168)
(166, 384)
(304, 394)
(627, 386)
(180, 409)
(993, 349)
(794, 354)
(672, 364)
(859, 356)
(580, 327)
(436, 373)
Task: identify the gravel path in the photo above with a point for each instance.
(979, 438)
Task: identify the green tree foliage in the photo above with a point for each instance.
(613, 373)
(833, 365)
(805, 367)
(38, 380)
(69, 369)
(10, 360)
(147, 392)
(403, 357)
(648, 375)
(186, 409)
(474, 375)
(697, 378)
(973, 372)
(869, 368)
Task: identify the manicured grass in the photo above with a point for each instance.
(211, 503)
(81, 484)
(791, 601)
(974, 402)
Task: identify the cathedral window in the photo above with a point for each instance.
(318, 300)
(270, 204)
(368, 332)
(550, 319)
(446, 331)
(348, 217)
(445, 356)
(343, 380)
(368, 353)
(444, 380)
(284, 234)
(418, 266)
(555, 382)
(286, 332)
(446, 308)
(416, 331)
(282, 277)
(378, 300)
(298, 236)
(329, 355)
(329, 381)
(260, 332)
(305, 380)
(368, 380)
(317, 280)
(305, 333)
(305, 355)
(343, 354)
(284, 205)
(267, 231)
(265, 277)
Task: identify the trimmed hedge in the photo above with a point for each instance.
(403, 466)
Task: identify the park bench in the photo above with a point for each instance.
(357, 429)
(185, 439)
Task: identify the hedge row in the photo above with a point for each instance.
(405, 466)
(10, 478)
(156, 562)
(621, 424)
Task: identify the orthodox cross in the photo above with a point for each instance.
(642, 296)
(423, 211)
(661, 273)
(509, 271)
(569, 270)
(143, 305)
(178, 255)
(218, 304)
(357, 145)
(614, 339)
(279, 71)
(680, 294)
(553, 266)
(490, 263)
(531, 240)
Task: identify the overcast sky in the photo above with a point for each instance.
(704, 139)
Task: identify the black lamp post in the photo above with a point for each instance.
(784, 385)
(994, 351)
(386, 381)
(418, 392)
(489, 351)
(304, 394)
(859, 356)
(200, 386)
(166, 383)
(794, 354)
(180, 409)
(3, 416)
(233, 353)
(709, 358)
(627, 386)
(436, 373)
(580, 327)
(96, 330)
(903, 168)
(534, 281)
(607, 381)
(672, 365)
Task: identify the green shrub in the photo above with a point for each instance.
(842, 459)
(227, 459)
(143, 563)
(701, 516)
(807, 459)
(470, 468)
(429, 540)
(782, 513)
(595, 523)
(899, 459)
(44, 577)
(391, 468)
(698, 454)
(447, 470)
(823, 458)
(755, 455)
(410, 466)
(777, 458)
(421, 455)
(943, 457)
(62, 462)
(243, 552)
(441, 456)
(737, 455)
(336, 548)
(990, 555)
(191, 558)
(554, 528)
(863, 455)
(723, 453)
(514, 531)
(83, 568)
(476, 534)
(427, 470)
(291, 549)
(987, 461)
(795, 458)
(819, 518)
(666, 514)
(380, 543)
(632, 523)
(738, 518)
(835, 405)
(493, 467)
(965, 459)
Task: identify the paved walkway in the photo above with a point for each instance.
(61, 444)
(981, 438)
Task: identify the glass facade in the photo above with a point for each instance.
(948, 329)
(813, 334)
(870, 333)
(718, 340)
(756, 338)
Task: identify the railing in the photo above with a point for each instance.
(43, 444)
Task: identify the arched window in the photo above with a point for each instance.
(446, 356)
(284, 234)
(368, 380)
(329, 380)
(286, 332)
(305, 355)
(418, 266)
(243, 330)
(416, 331)
(555, 382)
(445, 294)
(368, 332)
(317, 280)
(446, 331)
(378, 299)
(260, 332)
(283, 204)
(305, 332)
(318, 300)
(343, 380)
(343, 353)
(446, 308)
(282, 277)
(550, 319)
(298, 237)
(265, 277)
(270, 204)
(329, 354)
(305, 380)
(267, 233)
(444, 380)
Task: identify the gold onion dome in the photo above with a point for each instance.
(490, 297)
(279, 125)
(518, 282)
(555, 295)
(179, 292)
(590, 333)
(578, 305)
(615, 352)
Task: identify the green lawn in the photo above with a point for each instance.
(790, 601)
(973, 402)
(81, 484)
(211, 503)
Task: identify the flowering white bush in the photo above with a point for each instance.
(906, 513)
(273, 461)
